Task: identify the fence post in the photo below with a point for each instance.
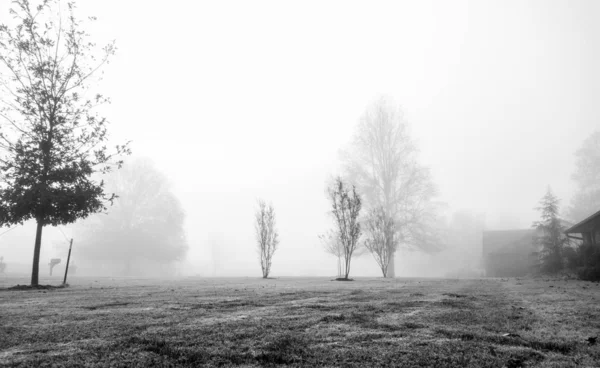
(68, 258)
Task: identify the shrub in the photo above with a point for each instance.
(584, 260)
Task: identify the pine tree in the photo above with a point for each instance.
(550, 237)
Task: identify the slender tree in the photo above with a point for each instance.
(551, 237)
(346, 204)
(382, 162)
(51, 140)
(379, 238)
(266, 235)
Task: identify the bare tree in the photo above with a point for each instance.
(346, 204)
(266, 235)
(382, 163)
(332, 245)
(379, 238)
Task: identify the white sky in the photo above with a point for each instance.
(239, 100)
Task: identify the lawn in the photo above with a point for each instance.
(301, 322)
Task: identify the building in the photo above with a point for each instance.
(588, 230)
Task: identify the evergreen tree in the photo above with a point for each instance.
(550, 236)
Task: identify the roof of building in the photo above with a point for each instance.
(589, 224)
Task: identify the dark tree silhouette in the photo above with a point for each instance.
(51, 141)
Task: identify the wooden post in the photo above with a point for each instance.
(68, 258)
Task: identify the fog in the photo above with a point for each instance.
(235, 101)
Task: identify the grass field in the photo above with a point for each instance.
(301, 322)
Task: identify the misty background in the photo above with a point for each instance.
(235, 101)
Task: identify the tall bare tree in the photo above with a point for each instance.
(51, 139)
(266, 235)
(379, 238)
(382, 162)
(346, 204)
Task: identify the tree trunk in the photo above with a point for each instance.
(347, 267)
(35, 270)
(263, 266)
(391, 270)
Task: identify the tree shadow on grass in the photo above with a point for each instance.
(34, 287)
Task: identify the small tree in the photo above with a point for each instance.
(51, 141)
(266, 235)
(380, 238)
(346, 205)
(550, 238)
